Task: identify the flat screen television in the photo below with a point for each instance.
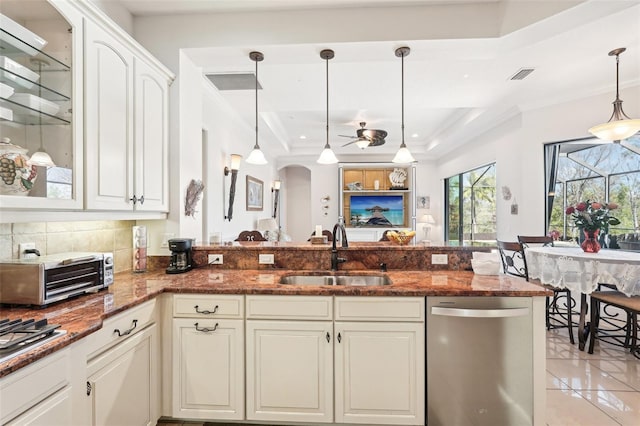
(376, 210)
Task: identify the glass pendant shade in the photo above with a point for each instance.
(327, 156)
(256, 156)
(616, 130)
(363, 143)
(403, 156)
(620, 126)
(41, 158)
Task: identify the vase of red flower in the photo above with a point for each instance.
(590, 243)
(592, 218)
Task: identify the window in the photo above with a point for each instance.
(470, 200)
(591, 169)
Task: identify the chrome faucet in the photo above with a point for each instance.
(335, 260)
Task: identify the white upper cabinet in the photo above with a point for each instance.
(40, 93)
(126, 127)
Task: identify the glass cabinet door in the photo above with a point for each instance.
(36, 97)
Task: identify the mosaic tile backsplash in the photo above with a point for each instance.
(59, 237)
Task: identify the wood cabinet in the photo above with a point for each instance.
(208, 357)
(126, 127)
(367, 367)
(369, 199)
(289, 359)
(38, 103)
(379, 360)
(123, 386)
(38, 394)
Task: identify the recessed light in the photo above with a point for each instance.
(303, 137)
(415, 135)
(466, 76)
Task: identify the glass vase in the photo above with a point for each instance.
(590, 243)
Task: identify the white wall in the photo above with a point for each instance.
(517, 148)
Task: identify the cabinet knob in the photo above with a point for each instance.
(141, 199)
(134, 199)
(339, 338)
(328, 337)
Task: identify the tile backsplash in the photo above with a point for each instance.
(58, 237)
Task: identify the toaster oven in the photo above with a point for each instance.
(52, 278)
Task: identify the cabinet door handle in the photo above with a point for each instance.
(89, 388)
(141, 199)
(124, 333)
(134, 199)
(328, 337)
(339, 338)
(206, 312)
(205, 329)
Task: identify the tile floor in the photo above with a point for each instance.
(602, 389)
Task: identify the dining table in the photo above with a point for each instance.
(582, 272)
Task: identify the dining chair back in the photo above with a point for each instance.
(250, 236)
(513, 260)
(561, 307)
(631, 305)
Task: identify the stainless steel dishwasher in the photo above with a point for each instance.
(479, 361)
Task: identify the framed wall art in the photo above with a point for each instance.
(255, 194)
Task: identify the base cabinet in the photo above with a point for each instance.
(379, 373)
(290, 371)
(122, 383)
(53, 411)
(208, 368)
(207, 357)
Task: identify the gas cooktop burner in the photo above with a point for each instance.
(19, 336)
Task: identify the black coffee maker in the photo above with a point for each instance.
(181, 260)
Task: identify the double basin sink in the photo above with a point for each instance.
(329, 279)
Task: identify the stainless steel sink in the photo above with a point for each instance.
(350, 280)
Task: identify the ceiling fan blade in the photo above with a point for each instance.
(349, 143)
(352, 137)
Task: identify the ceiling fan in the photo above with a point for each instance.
(367, 137)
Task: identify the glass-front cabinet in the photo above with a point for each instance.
(37, 102)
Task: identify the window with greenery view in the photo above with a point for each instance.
(470, 216)
(594, 170)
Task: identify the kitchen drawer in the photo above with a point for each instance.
(408, 309)
(290, 307)
(27, 387)
(208, 306)
(126, 324)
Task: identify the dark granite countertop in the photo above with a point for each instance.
(84, 315)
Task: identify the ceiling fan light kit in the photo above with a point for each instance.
(619, 126)
(327, 155)
(367, 137)
(256, 156)
(403, 156)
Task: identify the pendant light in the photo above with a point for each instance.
(619, 126)
(40, 157)
(327, 156)
(403, 156)
(256, 156)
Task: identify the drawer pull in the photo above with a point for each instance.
(206, 312)
(127, 332)
(206, 329)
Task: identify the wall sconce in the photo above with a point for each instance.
(276, 190)
(235, 166)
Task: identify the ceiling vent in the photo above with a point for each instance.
(522, 73)
(234, 81)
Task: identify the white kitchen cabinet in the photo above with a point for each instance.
(123, 369)
(379, 373)
(53, 411)
(289, 358)
(126, 125)
(38, 394)
(208, 357)
(123, 382)
(379, 360)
